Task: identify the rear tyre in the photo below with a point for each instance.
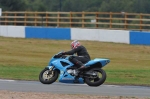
(47, 77)
(98, 79)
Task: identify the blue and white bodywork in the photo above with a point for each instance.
(64, 67)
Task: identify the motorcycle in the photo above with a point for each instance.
(62, 70)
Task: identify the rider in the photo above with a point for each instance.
(81, 58)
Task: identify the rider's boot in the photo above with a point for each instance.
(77, 71)
(81, 68)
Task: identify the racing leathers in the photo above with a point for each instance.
(81, 58)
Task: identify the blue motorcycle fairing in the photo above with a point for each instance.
(58, 65)
(65, 77)
(50, 62)
(53, 59)
(103, 61)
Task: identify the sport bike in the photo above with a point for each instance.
(62, 70)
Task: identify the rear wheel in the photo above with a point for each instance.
(97, 77)
(48, 77)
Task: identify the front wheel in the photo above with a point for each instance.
(48, 77)
(97, 78)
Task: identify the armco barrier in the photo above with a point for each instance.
(139, 38)
(117, 36)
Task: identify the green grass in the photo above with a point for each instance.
(19, 73)
(23, 59)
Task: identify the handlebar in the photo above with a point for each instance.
(59, 56)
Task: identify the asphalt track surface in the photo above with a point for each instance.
(104, 90)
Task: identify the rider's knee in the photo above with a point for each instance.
(71, 58)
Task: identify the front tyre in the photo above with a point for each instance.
(98, 79)
(48, 77)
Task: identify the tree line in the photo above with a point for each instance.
(131, 6)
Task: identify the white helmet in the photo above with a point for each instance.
(75, 44)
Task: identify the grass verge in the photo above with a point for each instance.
(24, 59)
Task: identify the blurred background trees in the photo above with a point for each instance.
(134, 6)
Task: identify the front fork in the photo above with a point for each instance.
(50, 70)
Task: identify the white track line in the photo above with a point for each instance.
(7, 80)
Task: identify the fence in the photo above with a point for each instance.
(102, 20)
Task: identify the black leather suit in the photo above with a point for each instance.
(81, 58)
